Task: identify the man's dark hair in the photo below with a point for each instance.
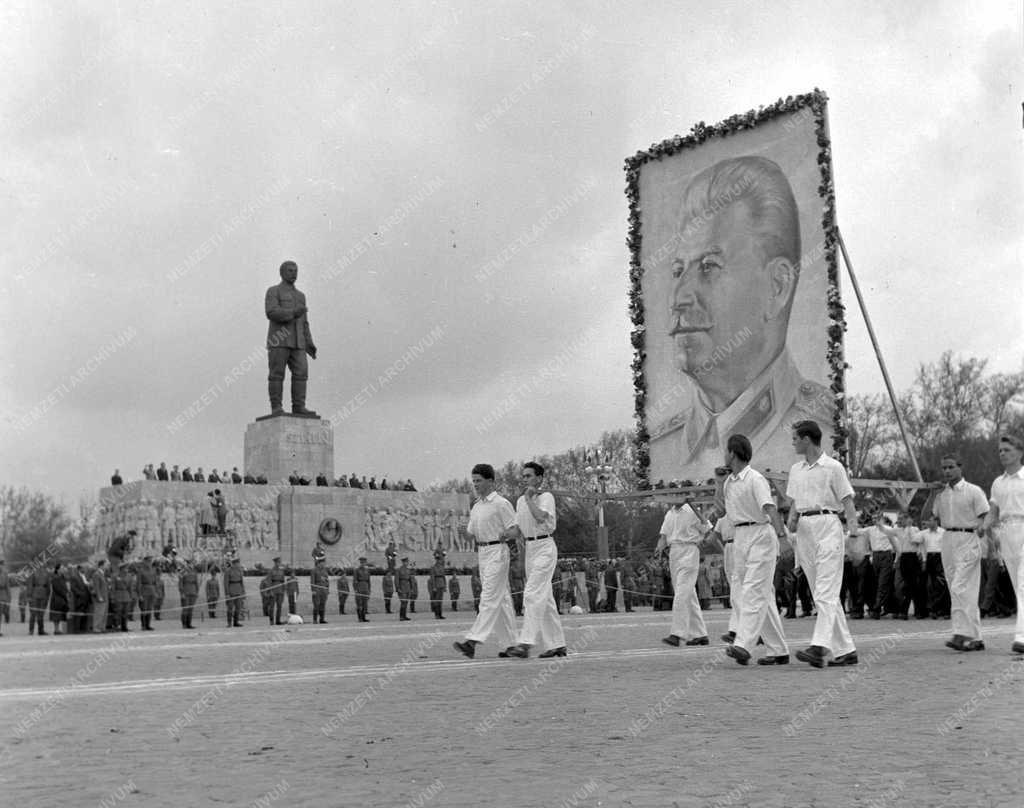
(288, 264)
(485, 470)
(1014, 441)
(538, 469)
(740, 446)
(808, 429)
(953, 458)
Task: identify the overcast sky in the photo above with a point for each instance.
(448, 176)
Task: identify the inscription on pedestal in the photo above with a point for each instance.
(277, 446)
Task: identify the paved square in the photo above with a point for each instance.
(388, 714)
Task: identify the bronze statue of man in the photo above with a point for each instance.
(288, 341)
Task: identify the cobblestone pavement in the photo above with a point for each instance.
(388, 714)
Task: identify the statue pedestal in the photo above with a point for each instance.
(277, 445)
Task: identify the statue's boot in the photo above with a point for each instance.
(299, 397)
(276, 389)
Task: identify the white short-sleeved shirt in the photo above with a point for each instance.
(746, 494)
(821, 485)
(960, 506)
(932, 539)
(1008, 494)
(682, 526)
(878, 540)
(491, 517)
(529, 526)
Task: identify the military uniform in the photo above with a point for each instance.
(291, 589)
(454, 590)
(39, 585)
(121, 598)
(777, 398)
(234, 593)
(343, 591)
(158, 595)
(212, 594)
(437, 587)
(388, 584)
(403, 582)
(361, 586)
(276, 593)
(188, 589)
(147, 594)
(414, 592)
(319, 584)
(477, 586)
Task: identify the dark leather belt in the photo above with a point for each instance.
(959, 529)
(728, 541)
(749, 524)
(536, 538)
(819, 512)
(480, 544)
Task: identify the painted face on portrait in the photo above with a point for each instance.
(721, 293)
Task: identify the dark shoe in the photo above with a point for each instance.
(874, 616)
(43, 633)
(405, 618)
(505, 654)
(790, 615)
(239, 625)
(957, 643)
(672, 640)
(729, 637)
(520, 651)
(465, 648)
(148, 628)
(553, 652)
(774, 660)
(843, 659)
(739, 654)
(276, 623)
(698, 641)
(974, 645)
(807, 614)
(813, 655)
(1017, 648)
(322, 620)
(856, 616)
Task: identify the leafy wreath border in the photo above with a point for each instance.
(817, 102)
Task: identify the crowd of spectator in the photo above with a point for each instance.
(234, 477)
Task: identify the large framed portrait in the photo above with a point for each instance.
(737, 316)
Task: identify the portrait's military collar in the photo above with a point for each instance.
(758, 410)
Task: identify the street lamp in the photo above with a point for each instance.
(601, 472)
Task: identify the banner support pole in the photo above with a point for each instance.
(878, 356)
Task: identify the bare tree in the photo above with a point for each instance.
(873, 430)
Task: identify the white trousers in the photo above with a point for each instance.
(961, 561)
(496, 613)
(541, 623)
(1011, 545)
(755, 554)
(735, 584)
(819, 552)
(687, 620)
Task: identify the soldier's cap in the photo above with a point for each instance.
(276, 558)
(405, 558)
(132, 533)
(147, 558)
(362, 559)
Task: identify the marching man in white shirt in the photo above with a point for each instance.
(535, 517)
(492, 523)
(1007, 517)
(750, 506)
(681, 535)
(961, 506)
(817, 488)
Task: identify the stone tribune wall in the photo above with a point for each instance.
(270, 520)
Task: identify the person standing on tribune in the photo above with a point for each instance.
(492, 524)
(536, 520)
(818, 487)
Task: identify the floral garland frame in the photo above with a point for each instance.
(817, 102)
